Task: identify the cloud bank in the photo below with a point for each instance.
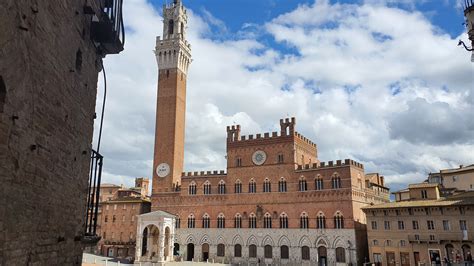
(371, 82)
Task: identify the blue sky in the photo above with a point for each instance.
(445, 14)
(382, 82)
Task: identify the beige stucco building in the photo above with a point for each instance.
(421, 227)
(456, 179)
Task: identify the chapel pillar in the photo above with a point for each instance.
(161, 247)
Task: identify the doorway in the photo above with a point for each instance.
(322, 255)
(435, 257)
(190, 252)
(390, 258)
(111, 252)
(417, 257)
(404, 259)
(450, 252)
(176, 249)
(205, 252)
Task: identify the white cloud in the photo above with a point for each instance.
(359, 71)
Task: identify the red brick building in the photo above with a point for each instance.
(275, 202)
(117, 221)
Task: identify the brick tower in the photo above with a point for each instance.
(173, 55)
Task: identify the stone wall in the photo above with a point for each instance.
(48, 87)
(293, 238)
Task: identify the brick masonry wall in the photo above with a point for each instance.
(293, 202)
(122, 230)
(170, 111)
(48, 73)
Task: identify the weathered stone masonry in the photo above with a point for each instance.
(48, 87)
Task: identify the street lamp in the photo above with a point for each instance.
(469, 14)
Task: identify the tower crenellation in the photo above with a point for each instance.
(233, 133)
(287, 126)
(331, 164)
(287, 130)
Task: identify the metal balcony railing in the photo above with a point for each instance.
(93, 197)
(452, 236)
(109, 31)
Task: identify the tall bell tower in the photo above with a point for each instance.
(173, 55)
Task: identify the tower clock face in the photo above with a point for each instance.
(163, 169)
(259, 157)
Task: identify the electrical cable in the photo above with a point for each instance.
(121, 23)
(103, 107)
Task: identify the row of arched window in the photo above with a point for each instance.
(267, 186)
(284, 252)
(304, 221)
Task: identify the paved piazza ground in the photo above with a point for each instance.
(94, 260)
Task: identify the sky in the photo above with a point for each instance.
(381, 82)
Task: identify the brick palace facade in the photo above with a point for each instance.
(275, 203)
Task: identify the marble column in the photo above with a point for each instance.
(138, 247)
(149, 244)
(171, 248)
(161, 247)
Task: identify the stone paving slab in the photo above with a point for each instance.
(94, 260)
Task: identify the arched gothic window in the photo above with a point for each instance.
(284, 252)
(268, 252)
(320, 221)
(221, 221)
(282, 185)
(336, 181)
(238, 187)
(237, 251)
(238, 221)
(252, 251)
(283, 220)
(305, 253)
(252, 186)
(338, 221)
(221, 187)
(252, 221)
(267, 186)
(318, 183)
(340, 255)
(177, 223)
(267, 220)
(170, 26)
(191, 221)
(304, 223)
(220, 250)
(302, 185)
(206, 221)
(192, 188)
(207, 187)
(280, 158)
